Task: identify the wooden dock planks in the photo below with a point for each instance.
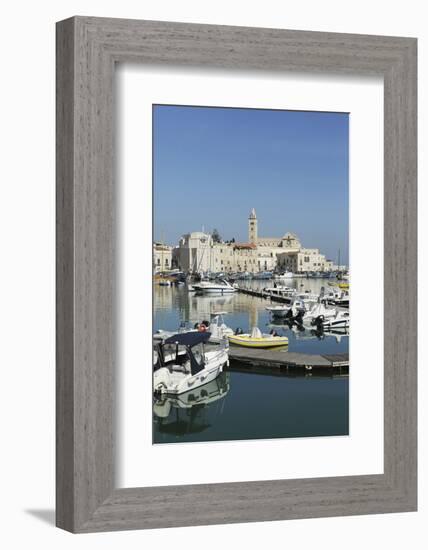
(281, 358)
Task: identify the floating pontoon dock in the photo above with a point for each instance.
(288, 359)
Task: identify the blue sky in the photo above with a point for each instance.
(212, 165)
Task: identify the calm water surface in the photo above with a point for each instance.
(247, 402)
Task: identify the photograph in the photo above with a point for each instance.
(251, 274)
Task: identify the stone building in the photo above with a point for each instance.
(197, 252)
(306, 259)
(162, 257)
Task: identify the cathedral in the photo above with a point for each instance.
(289, 241)
(197, 252)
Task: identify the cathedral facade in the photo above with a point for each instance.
(197, 252)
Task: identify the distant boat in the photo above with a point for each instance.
(263, 275)
(258, 340)
(222, 287)
(285, 275)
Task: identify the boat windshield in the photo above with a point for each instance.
(198, 353)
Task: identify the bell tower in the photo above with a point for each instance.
(252, 227)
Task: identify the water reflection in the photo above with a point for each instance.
(173, 306)
(184, 414)
(249, 402)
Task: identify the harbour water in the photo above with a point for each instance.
(248, 402)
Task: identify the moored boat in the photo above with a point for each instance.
(196, 368)
(258, 340)
(220, 287)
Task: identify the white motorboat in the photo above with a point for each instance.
(337, 296)
(298, 303)
(218, 287)
(216, 326)
(283, 310)
(340, 320)
(285, 275)
(279, 290)
(196, 368)
(319, 312)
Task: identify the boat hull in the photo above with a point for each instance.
(247, 341)
(167, 384)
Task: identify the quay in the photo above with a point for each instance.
(288, 359)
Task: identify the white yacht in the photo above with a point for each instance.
(192, 369)
(219, 287)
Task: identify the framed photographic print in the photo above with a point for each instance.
(222, 192)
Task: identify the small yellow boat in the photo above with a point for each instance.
(258, 340)
(343, 285)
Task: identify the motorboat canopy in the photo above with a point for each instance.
(189, 339)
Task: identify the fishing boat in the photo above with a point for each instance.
(258, 340)
(219, 287)
(197, 368)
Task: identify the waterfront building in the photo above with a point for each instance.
(306, 259)
(162, 257)
(197, 252)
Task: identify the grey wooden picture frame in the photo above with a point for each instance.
(87, 51)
